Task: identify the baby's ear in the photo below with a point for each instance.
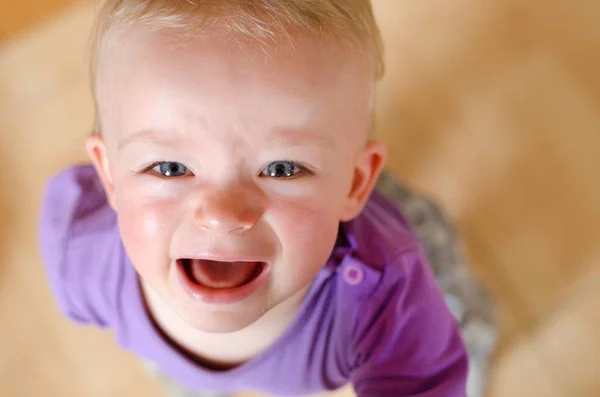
(97, 151)
(366, 171)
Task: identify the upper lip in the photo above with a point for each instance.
(223, 257)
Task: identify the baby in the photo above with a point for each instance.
(227, 229)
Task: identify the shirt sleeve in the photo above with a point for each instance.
(405, 341)
(80, 246)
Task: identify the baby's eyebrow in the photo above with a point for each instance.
(287, 138)
(155, 136)
(291, 138)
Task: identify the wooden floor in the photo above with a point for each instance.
(493, 108)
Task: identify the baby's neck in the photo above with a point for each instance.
(223, 351)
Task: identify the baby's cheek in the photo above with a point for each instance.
(144, 229)
(307, 234)
(295, 218)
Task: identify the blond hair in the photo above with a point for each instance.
(350, 23)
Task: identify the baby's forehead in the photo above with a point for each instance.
(211, 80)
(303, 64)
(295, 52)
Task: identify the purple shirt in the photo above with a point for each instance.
(373, 316)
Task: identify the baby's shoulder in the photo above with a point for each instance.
(385, 293)
(384, 260)
(80, 245)
(391, 319)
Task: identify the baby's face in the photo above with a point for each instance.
(230, 169)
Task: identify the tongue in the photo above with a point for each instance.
(214, 274)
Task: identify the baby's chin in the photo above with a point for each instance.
(221, 319)
(221, 322)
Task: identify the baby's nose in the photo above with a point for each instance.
(227, 211)
(225, 222)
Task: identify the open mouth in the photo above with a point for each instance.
(220, 275)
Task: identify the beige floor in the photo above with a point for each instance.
(492, 109)
(16, 16)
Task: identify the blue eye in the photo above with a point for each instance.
(170, 169)
(283, 169)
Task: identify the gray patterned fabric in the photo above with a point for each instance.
(466, 298)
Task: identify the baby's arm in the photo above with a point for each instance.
(406, 342)
(80, 245)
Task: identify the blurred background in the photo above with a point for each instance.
(491, 108)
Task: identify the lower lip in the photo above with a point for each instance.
(221, 296)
